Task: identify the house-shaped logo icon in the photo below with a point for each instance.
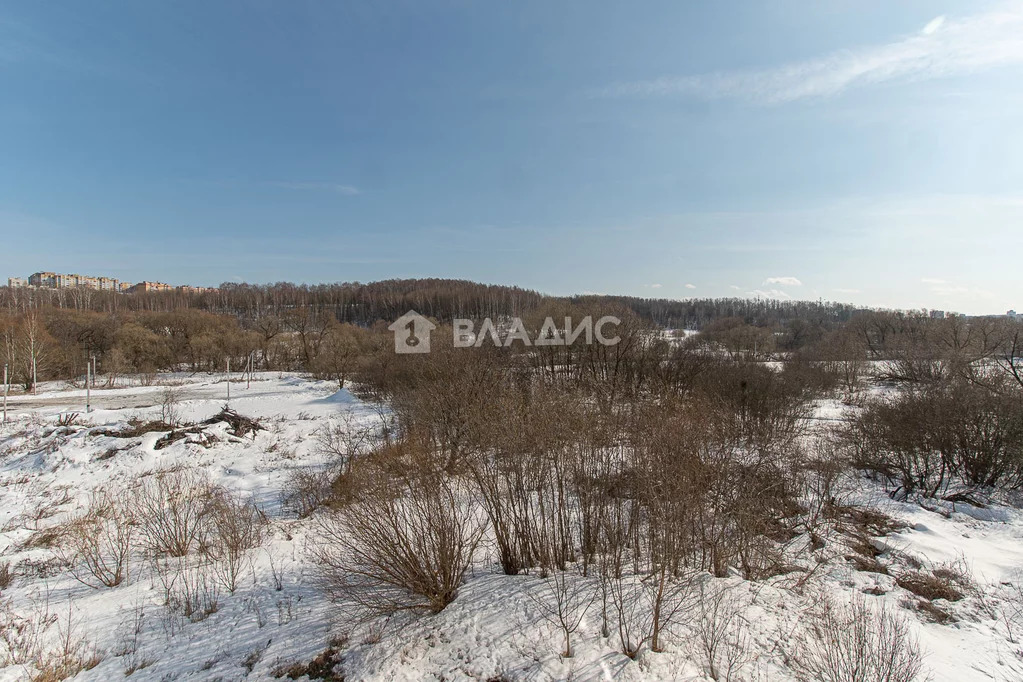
(412, 333)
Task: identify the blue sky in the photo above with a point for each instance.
(867, 152)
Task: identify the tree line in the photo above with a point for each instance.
(444, 299)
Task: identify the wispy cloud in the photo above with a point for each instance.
(690, 286)
(346, 190)
(784, 281)
(955, 291)
(768, 293)
(656, 286)
(944, 47)
(933, 25)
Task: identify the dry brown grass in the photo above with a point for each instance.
(929, 586)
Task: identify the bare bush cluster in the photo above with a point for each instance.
(174, 509)
(404, 540)
(97, 546)
(857, 642)
(50, 643)
(930, 439)
(609, 468)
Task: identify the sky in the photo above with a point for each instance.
(863, 151)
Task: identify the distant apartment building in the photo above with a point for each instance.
(60, 280)
(146, 287)
(43, 279)
(937, 314)
(1013, 315)
(196, 290)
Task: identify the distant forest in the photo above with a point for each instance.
(338, 331)
(442, 299)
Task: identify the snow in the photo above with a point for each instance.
(493, 628)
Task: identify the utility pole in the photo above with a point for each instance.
(88, 389)
(33, 373)
(94, 371)
(248, 374)
(5, 393)
(229, 381)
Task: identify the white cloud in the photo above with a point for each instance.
(932, 280)
(690, 286)
(933, 25)
(769, 293)
(732, 286)
(784, 281)
(656, 286)
(944, 48)
(346, 190)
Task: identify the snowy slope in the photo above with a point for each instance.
(493, 630)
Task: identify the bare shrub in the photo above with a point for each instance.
(564, 601)
(276, 570)
(403, 542)
(669, 595)
(6, 575)
(26, 640)
(320, 668)
(189, 590)
(929, 439)
(174, 509)
(523, 477)
(305, 491)
(856, 642)
(170, 406)
(346, 439)
(67, 419)
(236, 526)
(21, 636)
(72, 655)
(130, 631)
(621, 592)
(1011, 611)
(721, 640)
(97, 545)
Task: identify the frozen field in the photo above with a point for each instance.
(279, 615)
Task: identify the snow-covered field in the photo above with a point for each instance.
(279, 615)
